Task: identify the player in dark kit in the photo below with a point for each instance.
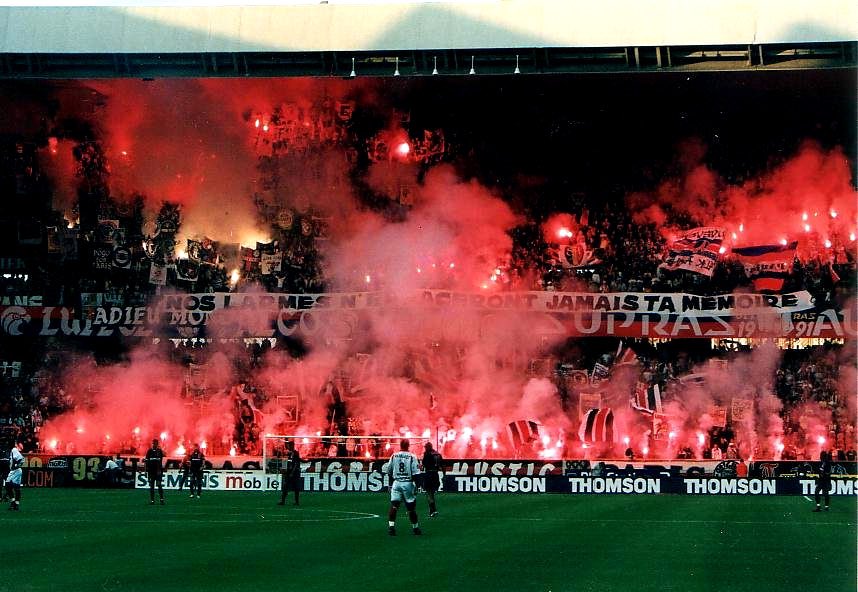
(431, 480)
(154, 461)
(290, 474)
(823, 479)
(196, 464)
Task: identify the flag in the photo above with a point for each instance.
(158, 274)
(647, 398)
(627, 357)
(187, 270)
(767, 265)
(249, 259)
(573, 256)
(695, 250)
(597, 426)
(106, 231)
(587, 401)
(121, 257)
(741, 410)
(600, 373)
(522, 432)
(660, 427)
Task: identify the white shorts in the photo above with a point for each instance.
(403, 491)
(14, 477)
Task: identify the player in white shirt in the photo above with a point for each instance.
(13, 479)
(401, 469)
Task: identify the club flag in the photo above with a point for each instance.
(523, 432)
(600, 373)
(587, 401)
(627, 357)
(597, 426)
(249, 259)
(695, 250)
(187, 270)
(106, 231)
(647, 398)
(121, 257)
(660, 427)
(741, 410)
(767, 265)
(193, 249)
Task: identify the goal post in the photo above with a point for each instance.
(366, 447)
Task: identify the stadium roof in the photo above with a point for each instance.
(319, 38)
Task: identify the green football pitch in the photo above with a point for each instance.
(93, 540)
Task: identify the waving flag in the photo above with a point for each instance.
(767, 265)
(695, 250)
(523, 432)
(647, 398)
(597, 426)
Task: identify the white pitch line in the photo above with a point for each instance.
(807, 498)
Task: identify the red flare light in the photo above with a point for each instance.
(265, 127)
(780, 446)
(564, 233)
(821, 440)
(804, 216)
(53, 444)
(232, 451)
(722, 250)
(833, 214)
(807, 227)
(783, 241)
(701, 439)
(827, 244)
(741, 228)
(164, 435)
(203, 445)
(852, 236)
(256, 123)
(626, 440)
(136, 431)
(403, 149)
(452, 265)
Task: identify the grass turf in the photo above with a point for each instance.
(80, 540)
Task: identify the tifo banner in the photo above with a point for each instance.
(695, 250)
(340, 315)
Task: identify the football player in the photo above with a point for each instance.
(401, 469)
